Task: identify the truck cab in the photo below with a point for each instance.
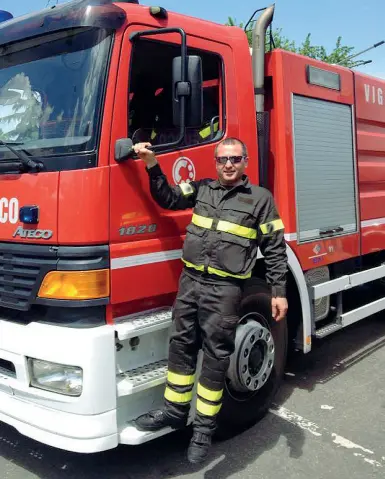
(89, 264)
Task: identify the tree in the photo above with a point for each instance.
(20, 110)
(20, 114)
(340, 54)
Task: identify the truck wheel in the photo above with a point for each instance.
(257, 364)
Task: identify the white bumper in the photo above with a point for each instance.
(71, 432)
(80, 424)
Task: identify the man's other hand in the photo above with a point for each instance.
(148, 156)
(279, 308)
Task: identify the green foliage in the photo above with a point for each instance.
(340, 53)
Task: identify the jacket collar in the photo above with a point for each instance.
(216, 185)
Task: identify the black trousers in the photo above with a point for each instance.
(205, 317)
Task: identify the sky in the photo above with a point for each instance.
(359, 22)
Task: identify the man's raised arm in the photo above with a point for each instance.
(179, 197)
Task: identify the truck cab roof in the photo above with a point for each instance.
(74, 14)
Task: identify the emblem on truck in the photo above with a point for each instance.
(183, 170)
(32, 233)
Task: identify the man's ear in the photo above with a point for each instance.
(246, 162)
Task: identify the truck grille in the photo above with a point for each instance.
(22, 268)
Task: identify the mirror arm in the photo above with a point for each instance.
(124, 147)
(213, 119)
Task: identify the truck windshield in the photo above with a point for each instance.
(51, 91)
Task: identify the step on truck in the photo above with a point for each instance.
(89, 264)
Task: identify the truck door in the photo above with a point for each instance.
(146, 240)
(370, 123)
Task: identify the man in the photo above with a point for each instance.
(231, 219)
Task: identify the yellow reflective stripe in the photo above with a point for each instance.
(153, 134)
(180, 379)
(202, 221)
(225, 274)
(187, 189)
(207, 409)
(218, 272)
(195, 266)
(175, 397)
(237, 230)
(225, 226)
(209, 394)
(272, 226)
(205, 132)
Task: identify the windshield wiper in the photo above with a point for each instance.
(25, 160)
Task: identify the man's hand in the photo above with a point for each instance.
(279, 308)
(146, 155)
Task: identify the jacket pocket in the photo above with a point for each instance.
(193, 244)
(232, 253)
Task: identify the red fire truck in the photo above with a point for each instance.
(89, 264)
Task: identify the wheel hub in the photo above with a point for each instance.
(257, 354)
(253, 358)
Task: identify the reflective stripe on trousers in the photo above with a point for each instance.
(213, 330)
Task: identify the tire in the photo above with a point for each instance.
(241, 410)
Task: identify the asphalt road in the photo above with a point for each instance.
(328, 422)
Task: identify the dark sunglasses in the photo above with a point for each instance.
(222, 160)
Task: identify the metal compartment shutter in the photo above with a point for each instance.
(324, 167)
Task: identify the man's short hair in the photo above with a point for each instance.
(231, 141)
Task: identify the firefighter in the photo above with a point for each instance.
(231, 219)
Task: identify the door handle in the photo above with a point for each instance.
(331, 231)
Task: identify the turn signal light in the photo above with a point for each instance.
(76, 285)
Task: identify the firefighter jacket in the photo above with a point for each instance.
(228, 226)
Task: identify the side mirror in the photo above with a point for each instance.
(192, 90)
(123, 149)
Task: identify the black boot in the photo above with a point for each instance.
(199, 447)
(158, 419)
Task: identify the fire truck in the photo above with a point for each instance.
(89, 264)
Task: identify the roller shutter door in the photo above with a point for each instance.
(324, 168)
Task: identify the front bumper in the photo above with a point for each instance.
(71, 432)
(81, 424)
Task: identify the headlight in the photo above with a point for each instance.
(58, 378)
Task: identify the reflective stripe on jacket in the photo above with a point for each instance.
(227, 227)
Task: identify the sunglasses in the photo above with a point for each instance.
(222, 160)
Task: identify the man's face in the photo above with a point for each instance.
(230, 173)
